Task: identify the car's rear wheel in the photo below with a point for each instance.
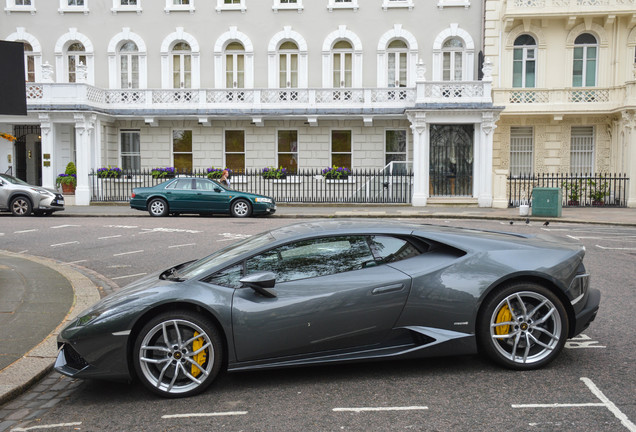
(20, 206)
(178, 354)
(157, 207)
(241, 208)
(522, 326)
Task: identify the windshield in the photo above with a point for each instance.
(13, 180)
(223, 256)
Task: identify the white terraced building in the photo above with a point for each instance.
(248, 84)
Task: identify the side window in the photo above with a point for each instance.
(183, 184)
(314, 258)
(390, 249)
(202, 184)
(229, 277)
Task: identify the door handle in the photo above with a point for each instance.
(388, 288)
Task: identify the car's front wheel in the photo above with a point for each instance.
(178, 354)
(20, 206)
(241, 208)
(158, 207)
(522, 326)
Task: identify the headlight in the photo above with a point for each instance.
(263, 200)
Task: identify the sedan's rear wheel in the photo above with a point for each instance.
(522, 326)
(178, 354)
(20, 206)
(241, 208)
(158, 207)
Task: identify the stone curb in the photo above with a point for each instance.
(32, 366)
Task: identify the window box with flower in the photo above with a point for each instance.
(109, 172)
(274, 173)
(163, 173)
(336, 173)
(217, 173)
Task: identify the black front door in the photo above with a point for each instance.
(451, 163)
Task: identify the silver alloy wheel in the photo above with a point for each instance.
(157, 207)
(525, 327)
(20, 207)
(241, 208)
(176, 356)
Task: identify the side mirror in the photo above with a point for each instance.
(262, 283)
(217, 189)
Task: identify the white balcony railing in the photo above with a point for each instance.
(515, 7)
(52, 94)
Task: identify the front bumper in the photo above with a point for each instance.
(52, 203)
(588, 312)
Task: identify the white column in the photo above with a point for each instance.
(84, 131)
(629, 122)
(421, 157)
(483, 160)
(47, 130)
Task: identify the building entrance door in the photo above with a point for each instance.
(451, 164)
(28, 154)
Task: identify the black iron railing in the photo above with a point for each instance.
(578, 190)
(305, 186)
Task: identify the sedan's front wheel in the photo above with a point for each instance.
(20, 206)
(158, 207)
(241, 208)
(178, 354)
(522, 326)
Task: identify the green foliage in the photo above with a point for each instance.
(69, 177)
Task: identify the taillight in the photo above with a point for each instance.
(133, 195)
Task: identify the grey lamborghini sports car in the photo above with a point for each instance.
(335, 291)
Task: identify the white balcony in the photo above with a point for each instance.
(566, 7)
(188, 101)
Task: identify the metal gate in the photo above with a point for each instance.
(451, 163)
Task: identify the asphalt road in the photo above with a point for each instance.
(591, 386)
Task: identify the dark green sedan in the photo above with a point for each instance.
(199, 195)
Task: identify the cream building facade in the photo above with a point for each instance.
(565, 71)
(249, 84)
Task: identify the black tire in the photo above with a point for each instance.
(42, 212)
(20, 206)
(158, 207)
(241, 208)
(522, 326)
(184, 365)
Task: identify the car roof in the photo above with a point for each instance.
(341, 226)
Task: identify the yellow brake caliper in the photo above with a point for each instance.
(504, 315)
(199, 358)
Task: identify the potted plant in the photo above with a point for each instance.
(573, 190)
(274, 173)
(167, 172)
(68, 179)
(336, 173)
(109, 172)
(217, 173)
(597, 192)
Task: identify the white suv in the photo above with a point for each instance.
(21, 198)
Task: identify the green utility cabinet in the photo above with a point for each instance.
(547, 202)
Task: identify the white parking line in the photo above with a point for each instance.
(75, 262)
(108, 237)
(128, 253)
(64, 244)
(51, 426)
(181, 245)
(63, 226)
(213, 414)
(24, 231)
(613, 248)
(367, 409)
(605, 402)
(129, 276)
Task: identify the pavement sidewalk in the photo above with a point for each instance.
(21, 283)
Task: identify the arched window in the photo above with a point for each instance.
(29, 63)
(342, 61)
(181, 65)
(288, 65)
(234, 65)
(129, 65)
(585, 59)
(524, 62)
(75, 55)
(453, 60)
(397, 74)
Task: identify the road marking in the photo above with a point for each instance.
(605, 402)
(181, 245)
(24, 231)
(129, 276)
(63, 226)
(75, 262)
(51, 426)
(128, 253)
(121, 226)
(108, 237)
(367, 409)
(64, 244)
(582, 341)
(213, 414)
(613, 248)
(170, 230)
(232, 236)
